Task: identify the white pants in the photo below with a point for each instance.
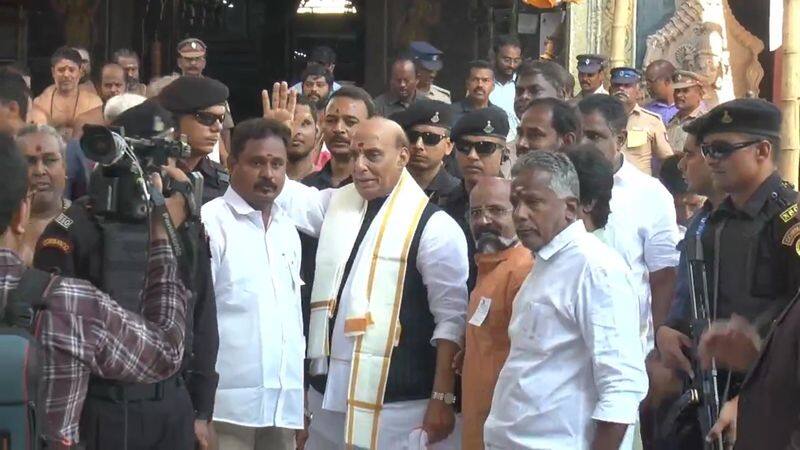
(397, 421)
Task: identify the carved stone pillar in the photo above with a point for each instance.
(790, 93)
(703, 36)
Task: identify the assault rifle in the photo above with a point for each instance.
(702, 395)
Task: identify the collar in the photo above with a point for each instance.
(512, 81)
(394, 100)
(697, 112)
(636, 110)
(756, 202)
(241, 207)
(443, 182)
(562, 239)
(660, 104)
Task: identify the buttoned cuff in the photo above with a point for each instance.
(656, 264)
(620, 408)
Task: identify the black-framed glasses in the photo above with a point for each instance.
(491, 211)
(428, 138)
(482, 148)
(722, 149)
(206, 118)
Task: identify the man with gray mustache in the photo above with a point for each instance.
(646, 145)
(503, 264)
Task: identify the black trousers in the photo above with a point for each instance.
(165, 424)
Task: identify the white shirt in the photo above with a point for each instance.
(642, 227)
(256, 273)
(503, 96)
(441, 260)
(575, 356)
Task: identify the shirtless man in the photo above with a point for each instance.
(44, 149)
(112, 83)
(64, 101)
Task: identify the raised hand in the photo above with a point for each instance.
(282, 105)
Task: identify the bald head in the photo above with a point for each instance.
(379, 150)
(490, 215)
(661, 68)
(112, 81)
(659, 80)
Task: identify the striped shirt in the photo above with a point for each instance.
(82, 331)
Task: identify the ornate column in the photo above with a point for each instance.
(619, 27)
(789, 160)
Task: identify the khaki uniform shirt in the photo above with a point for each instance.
(675, 133)
(500, 276)
(435, 93)
(647, 139)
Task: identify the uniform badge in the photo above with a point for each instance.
(726, 118)
(789, 213)
(58, 244)
(194, 45)
(435, 118)
(791, 235)
(64, 220)
(488, 129)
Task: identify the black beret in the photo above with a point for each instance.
(491, 121)
(425, 112)
(743, 115)
(190, 94)
(145, 120)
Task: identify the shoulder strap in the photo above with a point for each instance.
(26, 298)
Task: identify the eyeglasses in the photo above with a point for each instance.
(207, 118)
(721, 150)
(482, 148)
(488, 211)
(428, 138)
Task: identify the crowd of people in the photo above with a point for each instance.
(513, 270)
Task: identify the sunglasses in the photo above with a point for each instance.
(483, 148)
(721, 150)
(428, 138)
(207, 118)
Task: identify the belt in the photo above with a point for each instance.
(118, 392)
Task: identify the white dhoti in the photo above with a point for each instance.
(397, 422)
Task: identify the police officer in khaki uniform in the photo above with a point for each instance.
(647, 144)
(688, 88)
(591, 75)
(428, 60)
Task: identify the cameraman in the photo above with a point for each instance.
(81, 330)
(174, 413)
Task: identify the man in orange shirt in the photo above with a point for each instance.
(503, 265)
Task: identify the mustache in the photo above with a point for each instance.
(621, 95)
(490, 241)
(265, 184)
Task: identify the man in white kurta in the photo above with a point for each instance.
(575, 373)
(415, 390)
(255, 263)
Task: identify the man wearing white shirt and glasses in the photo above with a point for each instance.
(255, 259)
(575, 373)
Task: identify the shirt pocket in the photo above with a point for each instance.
(637, 138)
(540, 325)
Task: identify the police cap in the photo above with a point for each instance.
(591, 63)
(490, 121)
(683, 79)
(145, 120)
(191, 48)
(425, 112)
(625, 75)
(743, 115)
(190, 94)
(427, 55)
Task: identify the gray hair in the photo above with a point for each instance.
(48, 130)
(563, 177)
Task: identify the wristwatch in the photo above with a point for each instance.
(447, 397)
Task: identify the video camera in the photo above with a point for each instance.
(119, 186)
